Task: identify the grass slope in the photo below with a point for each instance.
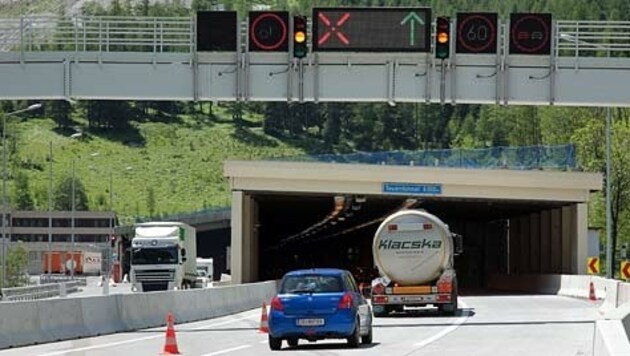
(182, 163)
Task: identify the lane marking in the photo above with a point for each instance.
(227, 350)
(456, 324)
(124, 342)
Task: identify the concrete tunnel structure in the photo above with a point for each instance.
(512, 221)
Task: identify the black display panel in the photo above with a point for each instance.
(372, 29)
(476, 33)
(268, 31)
(530, 34)
(216, 31)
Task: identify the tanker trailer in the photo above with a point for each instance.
(414, 251)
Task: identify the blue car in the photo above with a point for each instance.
(317, 304)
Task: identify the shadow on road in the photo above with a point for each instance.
(327, 346)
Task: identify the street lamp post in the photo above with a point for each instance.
(4, 187)
(50, 177)
(72, 239)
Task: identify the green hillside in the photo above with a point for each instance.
(181, 162)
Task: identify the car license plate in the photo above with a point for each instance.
(310, 322)
(412, 299)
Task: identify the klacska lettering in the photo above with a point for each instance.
(409, 244)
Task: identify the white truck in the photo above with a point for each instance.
(205, 272)
(163, 256)
(414, 251)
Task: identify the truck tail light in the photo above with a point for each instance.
(381, 299)
(276, 304)
(378, 289)
(345, 302)
(444, 298)
(445, 286)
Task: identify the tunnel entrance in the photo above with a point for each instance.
(304, 231)
(288, 215)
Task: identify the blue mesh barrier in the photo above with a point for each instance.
(561, 157)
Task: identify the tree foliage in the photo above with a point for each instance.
(63, 195)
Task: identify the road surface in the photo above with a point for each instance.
(487, 325)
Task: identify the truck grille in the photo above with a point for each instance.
(155, 276)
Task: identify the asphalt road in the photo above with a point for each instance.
(487, 325)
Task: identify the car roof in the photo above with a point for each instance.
(322, 271)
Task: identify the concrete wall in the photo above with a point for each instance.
(25, 323)
(553, 241)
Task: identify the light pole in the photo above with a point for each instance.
(50, 178)
(4, 187)
(72, 239)
(609, 243)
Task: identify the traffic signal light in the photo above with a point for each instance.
(443, 38)
(299, 37)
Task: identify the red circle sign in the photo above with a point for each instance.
(477, 33)
(270, 40)
(530, 34)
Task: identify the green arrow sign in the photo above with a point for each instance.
(412, 18)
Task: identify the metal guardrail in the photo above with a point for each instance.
(178, 34)
(59, 278)
(40, 291)
(98, 34)
(592, 38)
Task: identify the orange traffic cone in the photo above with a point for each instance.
(264, 323)
(170, 347)
(591, 292)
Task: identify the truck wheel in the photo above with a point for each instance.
(275, 344)
(293, 342)
(448, 309)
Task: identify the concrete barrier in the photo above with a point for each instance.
(32, 322)
(101, 314)
(611, 334)
(19, 324)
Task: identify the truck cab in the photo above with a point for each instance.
(205, 272)
(160, 257)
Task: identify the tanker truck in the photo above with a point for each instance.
(413, 251)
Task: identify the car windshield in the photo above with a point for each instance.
(311, 284)
(154, 256)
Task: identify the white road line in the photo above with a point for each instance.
(456, 324)
(227, 350)
(123, 342)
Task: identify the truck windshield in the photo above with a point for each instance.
(154, 256)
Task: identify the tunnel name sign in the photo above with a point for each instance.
(412, 188)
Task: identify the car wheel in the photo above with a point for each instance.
(355, 339)
(367, 339)
(292, 342)
(275, 344)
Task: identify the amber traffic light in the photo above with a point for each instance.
(442, 38)
(300, 48)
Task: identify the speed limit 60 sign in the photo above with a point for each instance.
(476, 33)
